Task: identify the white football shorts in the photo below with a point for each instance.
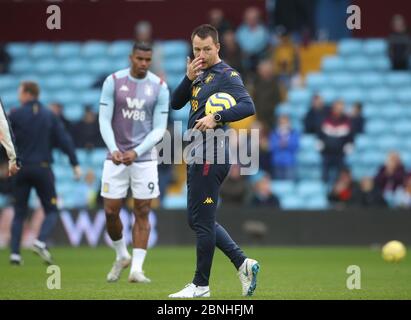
(142, 177)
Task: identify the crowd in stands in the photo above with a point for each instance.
(267, 57)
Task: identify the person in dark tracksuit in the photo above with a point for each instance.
(206, 75)
(37, 130)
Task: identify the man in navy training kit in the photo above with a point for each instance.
(206, 75)
(36, 131)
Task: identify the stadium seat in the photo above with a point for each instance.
(42, 50)
(358, 64)
(392, 112)
(377, 127)
(90, 97)
(381, 63)
(329, 94)
(98, 156)
(46, 66)
(9, 99)
(388, 143)
(68, 50)
(363, 142)
(375, 47)
(341, 79)
(372, 158)
(308, 142)
(306, 188)
(398, 79)
(316, 81)
(23, 65)
(370, 79)
(73, 65)
(175, 65)
(174, 48)
(282, 188)
(55, 82)
(120, 63)
(175, 202)
(403, 128)
(309, 157)
(316, 202)
(372, 110)
(299, 96)
(74, 112)
(81, 81)
(100, 66)
(352, 95)
(18, 49)
(333, 64)
(8, 82)
(403, 96)
(349, 47)
(309, 172)
(120, 48)
(380, 95)
(291, 202)
(94, 49)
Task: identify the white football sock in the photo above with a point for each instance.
(121, 249)
(138, 259)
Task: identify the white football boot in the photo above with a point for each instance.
(136, 276)
(117, 269)
(41, 249)
(248, 276)
(192, 291)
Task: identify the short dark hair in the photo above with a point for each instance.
(143, 46)
(204, 31)
(31, 87)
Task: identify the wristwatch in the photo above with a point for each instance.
(217, 117)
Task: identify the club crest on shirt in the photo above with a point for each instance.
(209, 78)
(148, 90)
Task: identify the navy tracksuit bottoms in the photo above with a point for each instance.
(203, 184)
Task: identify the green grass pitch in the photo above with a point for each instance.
(286, 273)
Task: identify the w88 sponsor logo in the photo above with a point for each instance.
(134, 109)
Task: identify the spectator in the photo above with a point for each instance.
(266, 93)
(5, 59)
(57, 109)
(366, 195)
(399, 44)
(231, 52)
(263, 196)
(402, 196)
(343, 189)
(87, 191)
(335, 142)
(284, 147)
(87, 132)
(218, 21)
(296, 16)
(143, 32)
(357, 119)
(262, 147)
(315, 116)
(235, 189)
(285, 59)
(253, 37)
(391, 175)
